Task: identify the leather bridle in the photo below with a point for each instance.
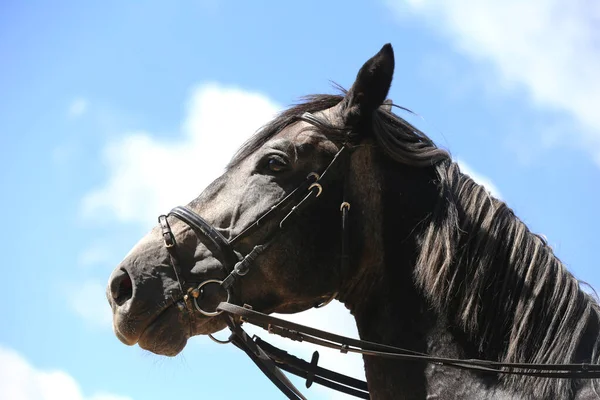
(234, 265)
(270, 359)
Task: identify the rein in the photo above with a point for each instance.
(272, 360)
(302, 333)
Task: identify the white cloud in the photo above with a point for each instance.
(148, 176)
(88, 300)
(77, 108)
(481, 179)
(548, 47)
(19, 380)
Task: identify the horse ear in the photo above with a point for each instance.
(370, 88)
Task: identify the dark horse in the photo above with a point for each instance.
(435, 263)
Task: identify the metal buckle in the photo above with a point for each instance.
(313, 175)
(214, 339)
(195, 299)
(329, 300)
(318, 186)
(167, 234)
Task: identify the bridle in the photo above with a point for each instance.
(234, 264)
(270, 359)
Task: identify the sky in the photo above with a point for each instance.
(97, 97)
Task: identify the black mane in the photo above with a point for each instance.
(478, 255)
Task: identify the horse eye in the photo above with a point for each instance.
(276, 165)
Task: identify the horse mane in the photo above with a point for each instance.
(479, 261)
(480, 256)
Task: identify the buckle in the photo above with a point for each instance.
(199, 298)
(167, 234)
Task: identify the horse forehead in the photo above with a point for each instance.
(303, 133)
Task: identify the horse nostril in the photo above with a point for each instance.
(121, 287)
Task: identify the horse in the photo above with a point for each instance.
(427, 259)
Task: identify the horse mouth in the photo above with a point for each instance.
(165, 334)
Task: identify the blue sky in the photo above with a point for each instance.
(95, 94)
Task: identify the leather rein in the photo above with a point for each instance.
(272, 360)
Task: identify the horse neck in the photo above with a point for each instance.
(381, 293)
(390, 307)
(387, 304)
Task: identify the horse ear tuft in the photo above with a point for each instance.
(370, 88)
(387, 105)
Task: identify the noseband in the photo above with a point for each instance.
(271, 359)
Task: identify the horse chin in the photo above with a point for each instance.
(167, 335)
